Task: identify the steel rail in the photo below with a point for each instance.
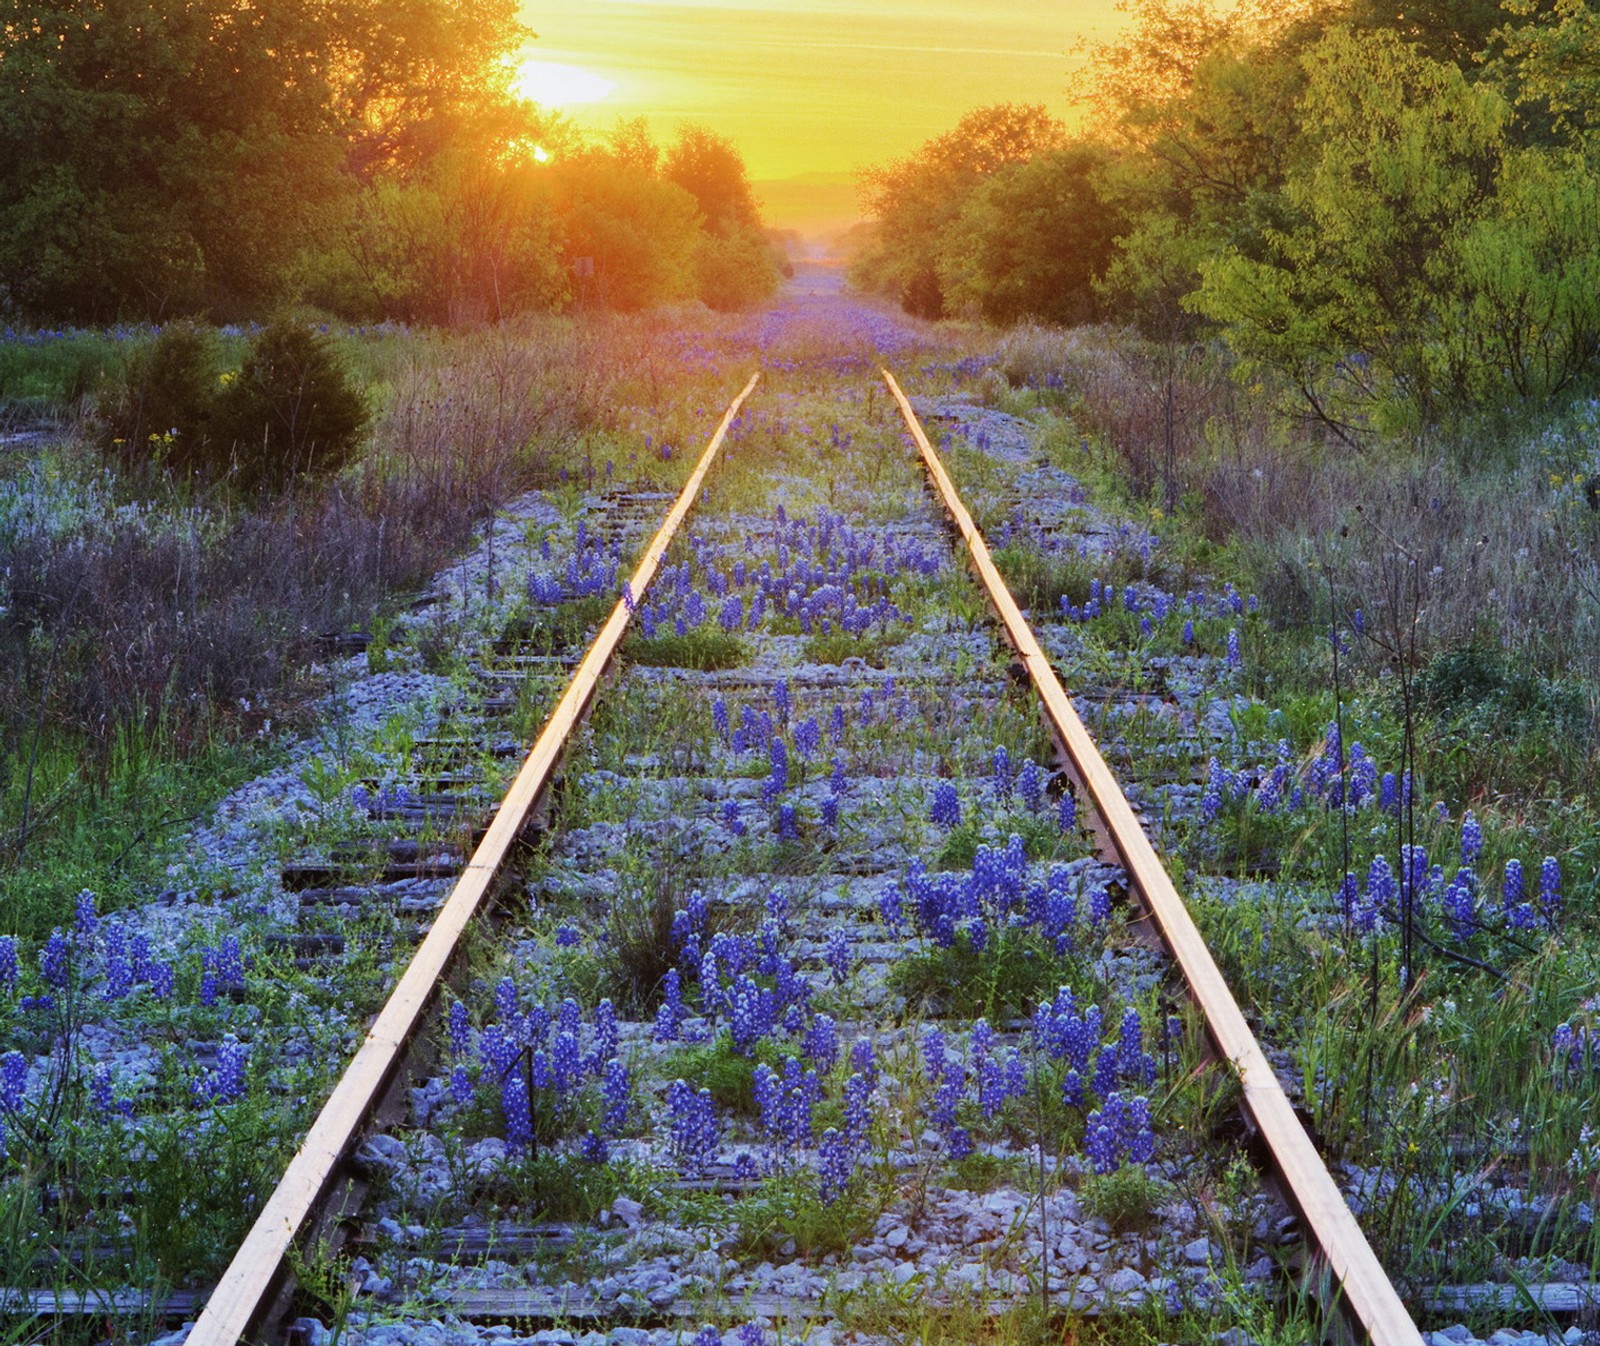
(1366, 1293)
(235, 1306)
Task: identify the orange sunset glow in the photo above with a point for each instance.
(818, 88)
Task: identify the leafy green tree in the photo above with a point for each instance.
(638, 232)
(733, 265)
(710, 169)
(915, 200)
(1031, 240)
(158, 159)
(1552, 62)
(1399, 154)
(1525, 281)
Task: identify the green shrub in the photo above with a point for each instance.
(291, 412)
(1126, 1200)
(162, 411)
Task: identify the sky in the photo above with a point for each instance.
(808, 86)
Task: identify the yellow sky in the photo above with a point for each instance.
(807, 86)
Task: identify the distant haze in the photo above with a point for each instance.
(810, 91)
(813, 204)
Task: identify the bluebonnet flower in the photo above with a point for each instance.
(778, 781)
(1002, 773)
(836, 1163)
(1518, 911)
(1030, 785)
(780, 699)
(163, 980)
(461, 1086)
(1119, 1132)
(568, 936)
(719, 717)
(838, 782)
(517, 1108)
(1460, 904)
(731, 819)
(1065, 1034)
(100, 1090)
(752, 1013)
(1471, 838)
(731, 615)
(230, 962)
(1188, 631)
(13, 1081)
(837, 955)
(505, 999)
(751, 1335)
(9, 969)
(227, 1081)
(1067, 813)
(1550, 887)
(1234, 659)
(707, 1336)
(864, 1061)
(836, 725)
(822, 1042)
(829, 812)
(1388, 794)
(808, 737)
(671, 1014)
(593, 1149)
(119, 970)
(946, 810)
(786, 1101)
(54, 959)
(86, 919)
(1363, 774)
(788, 826)
(1134, 1064)
(1099, 905)
(614, 1096)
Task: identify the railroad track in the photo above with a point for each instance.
(781, 805)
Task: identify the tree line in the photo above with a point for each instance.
(223, 157)
(1392, 213)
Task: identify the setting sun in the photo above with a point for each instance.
(553, 84)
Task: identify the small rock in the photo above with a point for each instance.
(1197, 1253)
(1125, 1282)
(629, 1211)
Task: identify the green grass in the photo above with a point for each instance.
(111, 830)
(705, 649)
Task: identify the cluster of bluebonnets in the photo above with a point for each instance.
(751, 991)
(82, 979)
(549, 1071)
(1337, 779)
(815, 576)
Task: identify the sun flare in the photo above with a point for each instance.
(552, 84)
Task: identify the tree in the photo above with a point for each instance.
(1400, 153)
(1031, 240)
(709, 168)
(639, 231)
(161, 159)
(914, 200)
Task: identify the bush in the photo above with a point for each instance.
(291, 412)
(161, 413)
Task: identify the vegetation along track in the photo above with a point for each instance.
(772, 1025)
(814, 1004)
